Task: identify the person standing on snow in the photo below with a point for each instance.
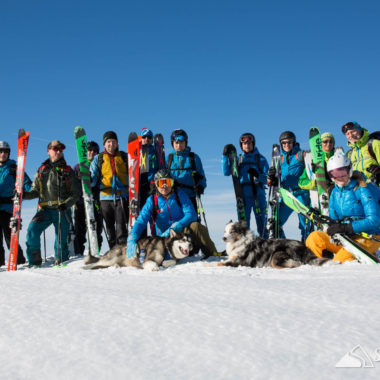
(291, 168)
(110, 169)
(354, 205)
(167, 209)
(80, 225)
(8, 169)
(252, 167)
(57, 188)
(186, 167)
(365, 151)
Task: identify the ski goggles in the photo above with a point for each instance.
(351, 125)
(164, 181)
(338, 173)
(246, 139)
(179, 138)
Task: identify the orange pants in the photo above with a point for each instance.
(319, 240)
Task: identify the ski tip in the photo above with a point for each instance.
(132, 137)
(21, 132)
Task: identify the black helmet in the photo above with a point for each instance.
(288, 135)
(92, 145)
(5, 146)
(162, 173)
(248, 136)
(178, 132)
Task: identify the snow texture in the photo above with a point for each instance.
(190, 322)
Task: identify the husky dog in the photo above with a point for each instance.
(243, 248)
(178, 246)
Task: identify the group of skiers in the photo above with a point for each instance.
(169, 198)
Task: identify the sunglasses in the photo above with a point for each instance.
(164, 181)
(147, 137)
(286, 142)
(327, 142)
(338, 173)
(4, 151)
(56, 149)
(179, 138)
(246, 139)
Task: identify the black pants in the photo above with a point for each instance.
(115, 215)
(80, 227)
(6, 232)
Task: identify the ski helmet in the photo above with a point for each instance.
(178, 134)
(247, 137)
(338, 161)
(146, 132)
(288, 135)
(351, 125)
(5, 146)
(162, 173)
(92, 145)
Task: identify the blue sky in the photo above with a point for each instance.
(215, 68)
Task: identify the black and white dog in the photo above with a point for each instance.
(244, 248)
(178, 245)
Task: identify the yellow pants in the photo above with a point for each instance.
(319, 241)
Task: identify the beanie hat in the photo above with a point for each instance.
(109, 135)
(146, 132)
(326, 135)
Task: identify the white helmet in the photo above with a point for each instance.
(4, 145)
(337, 161)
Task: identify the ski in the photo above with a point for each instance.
(239, 195)
(256, 200)
(322, 220)
(318, 158)
(274, 228)
(134, 156)
(310, 174)
(85, 176)
(158, 141)
(15, 225)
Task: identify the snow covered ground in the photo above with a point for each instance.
(190, 322)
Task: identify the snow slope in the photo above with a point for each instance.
(189, 322)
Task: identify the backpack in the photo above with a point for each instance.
(123, 155)
(197, 176)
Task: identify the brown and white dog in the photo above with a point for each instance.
(244, 248)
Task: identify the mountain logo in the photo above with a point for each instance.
(358, 357)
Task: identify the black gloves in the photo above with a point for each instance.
(253, 172)
(62, 207)
(228, 149)
(375, 171)
(340, 228)
(272, 180)
(199, 189)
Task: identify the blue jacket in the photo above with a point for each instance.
(181, 171)
(168, 212)
(356, 202)
(7, 184)
(247, 161)
(292, 167)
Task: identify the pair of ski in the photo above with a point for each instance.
(138, 163)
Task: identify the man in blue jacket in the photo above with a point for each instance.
(7, 185)
(292, 167)
(253, 170)
(186, 167)
(169, 209)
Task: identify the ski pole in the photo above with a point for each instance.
(200, 205)
(44, 247)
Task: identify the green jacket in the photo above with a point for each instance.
(305, 182)
(54, 184)
(359, 154)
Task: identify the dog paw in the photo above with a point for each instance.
(168, 263)
(151, 265)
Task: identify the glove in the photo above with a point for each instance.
(253, 172)
(177, 226)
(340, 228)
(199, 189)
(272, 180)
(62, 207)
(375, 171)
(131, 246)
(229, 148)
